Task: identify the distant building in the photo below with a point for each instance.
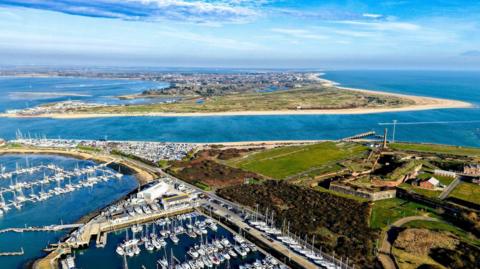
(179, 200)
(156, 191)
(471, 169)
(2, 142)
(430, 184)
(444, 173)
(372, 195)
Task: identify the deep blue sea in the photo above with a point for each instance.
(450, 126)
(19, 92)
(66, 208)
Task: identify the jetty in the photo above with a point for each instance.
(49, 228)
(358, 136)
(13, 253)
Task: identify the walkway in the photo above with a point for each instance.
(446, 192)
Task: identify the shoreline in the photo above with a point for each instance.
(421, 103)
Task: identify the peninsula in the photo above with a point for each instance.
(226, 94)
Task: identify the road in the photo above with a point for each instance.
(385, 251)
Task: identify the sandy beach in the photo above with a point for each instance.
(421, 103)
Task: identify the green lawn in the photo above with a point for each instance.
(468, 192)
(454, 150)
(385, 212)
(443, 226)
(283, 162)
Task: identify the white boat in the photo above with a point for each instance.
(149, 245)
(120, 251)
(137, 228)
(174, 238)
(163, 263)
(192, 253)
(232, 253)
(238, 238)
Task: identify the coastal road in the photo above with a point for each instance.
(385, 251)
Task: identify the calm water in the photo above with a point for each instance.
(458, 85)
(66, 207)
(29, 92)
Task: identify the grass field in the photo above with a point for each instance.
(310, 97)
(468, 192)
(280, 163)
(385, 212)
(432, 148)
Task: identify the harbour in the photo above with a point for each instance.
(34, 225)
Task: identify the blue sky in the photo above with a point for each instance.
(434, 34)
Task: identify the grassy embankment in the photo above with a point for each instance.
(468, 192)
(434, 148)
(385, 212)
(295, 161)
(308, 98)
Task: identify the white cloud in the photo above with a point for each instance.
(196, 11)
(383, 25)
(372, 16)
(299, 33)
(212, 41)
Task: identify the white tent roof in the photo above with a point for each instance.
(434, 181)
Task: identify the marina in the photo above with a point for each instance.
(55, 181)
(168, 243)
(37, 224)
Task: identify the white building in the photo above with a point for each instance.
(154, 192)
(180, 200)
(435, 183)
(444, 173)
